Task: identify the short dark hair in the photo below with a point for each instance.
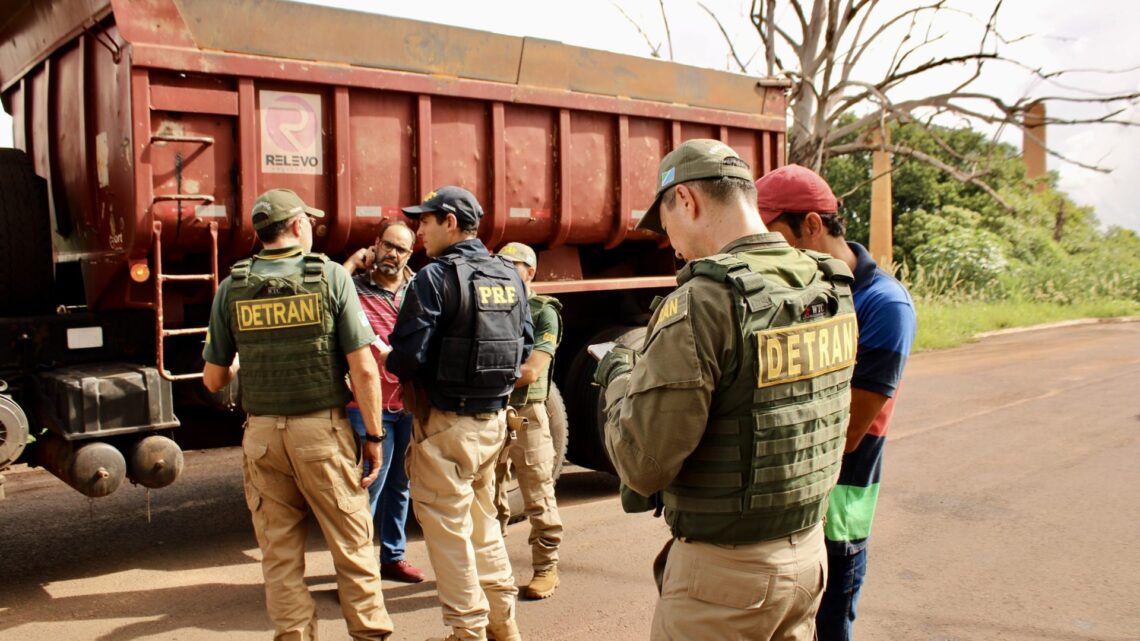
(834, 223)
(396, 222)
(274, 231)
(470, 229)
(721, 189)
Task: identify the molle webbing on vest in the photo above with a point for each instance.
(290, 361)
(765, 470)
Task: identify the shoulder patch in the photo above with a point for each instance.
(672, 309)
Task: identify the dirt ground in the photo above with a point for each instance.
(1010, 494)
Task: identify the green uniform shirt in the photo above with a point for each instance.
(352, 327)
(547, 329)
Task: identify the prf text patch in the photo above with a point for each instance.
(278, 313)
(495, 295)
(795, 353)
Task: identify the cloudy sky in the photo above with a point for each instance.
(1094, 34)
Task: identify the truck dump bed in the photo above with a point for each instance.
(182, 111)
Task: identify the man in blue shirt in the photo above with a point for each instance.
(797, 203)
(462, 333)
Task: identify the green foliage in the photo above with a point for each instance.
(957, 245)
(948, 324)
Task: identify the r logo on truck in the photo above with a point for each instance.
(290, 133)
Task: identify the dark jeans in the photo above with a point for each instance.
(836, 614)
(388, 495)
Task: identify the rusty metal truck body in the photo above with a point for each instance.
(145, 130)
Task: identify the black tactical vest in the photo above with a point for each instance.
(481, 346)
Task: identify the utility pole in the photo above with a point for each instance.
(882, 233)
(1033, 143)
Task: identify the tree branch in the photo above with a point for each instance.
(668, 34)
(654, 50)
(728, 41)
(972, 178)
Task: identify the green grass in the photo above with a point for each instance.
(947, 324)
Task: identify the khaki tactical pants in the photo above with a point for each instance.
(450, 464)
(294, 464)
(532, 455)
(769, 590)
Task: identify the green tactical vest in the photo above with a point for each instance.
(778, 420)
(286, 335)
(540, 388)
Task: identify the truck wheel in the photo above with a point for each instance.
(559, 433)
(26, 268)
(587, 403)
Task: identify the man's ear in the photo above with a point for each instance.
(685, 194)
(812, 226)
(452, 223)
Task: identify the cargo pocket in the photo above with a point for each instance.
(320, 466)
(357, 522)
(729, 587)
(252, 451)
(539, 451)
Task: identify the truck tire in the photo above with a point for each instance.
(559, 433)
(26, 267)
(587, 403)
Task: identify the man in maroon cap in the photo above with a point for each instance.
(797, 203)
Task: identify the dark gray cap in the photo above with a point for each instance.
(692, 160)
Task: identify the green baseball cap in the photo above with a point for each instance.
(693, 160)
(277, 205)
(519, 253)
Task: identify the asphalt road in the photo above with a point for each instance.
(1010, 497)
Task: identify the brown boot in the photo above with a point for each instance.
(543, 584)
(505, 631)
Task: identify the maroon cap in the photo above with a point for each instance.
(793, 189)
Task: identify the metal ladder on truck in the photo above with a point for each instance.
(161, 331)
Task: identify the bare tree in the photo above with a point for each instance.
(822, 47)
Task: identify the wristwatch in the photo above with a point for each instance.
(372, 438)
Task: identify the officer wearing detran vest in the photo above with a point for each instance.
(295, 320)
(531, 452)
(461, 334)
(733, 410)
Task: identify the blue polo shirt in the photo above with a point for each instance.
(887, 323)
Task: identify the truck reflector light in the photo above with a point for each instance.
(140, 272)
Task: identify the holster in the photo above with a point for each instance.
(416, 401)
(515, 424)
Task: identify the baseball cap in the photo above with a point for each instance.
(449, 200)
(693, 160)
(277, 205)
(519, 253)
(793, 189)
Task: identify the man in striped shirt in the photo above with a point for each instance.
(383, 278)
(797, 203)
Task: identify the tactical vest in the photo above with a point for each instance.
(285, 331)
(481, 347)
(772, 448)
(540, 388)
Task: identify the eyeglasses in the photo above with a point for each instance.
(389, 247)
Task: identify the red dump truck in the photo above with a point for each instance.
(145, 130)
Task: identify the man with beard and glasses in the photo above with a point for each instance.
(380, 286)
